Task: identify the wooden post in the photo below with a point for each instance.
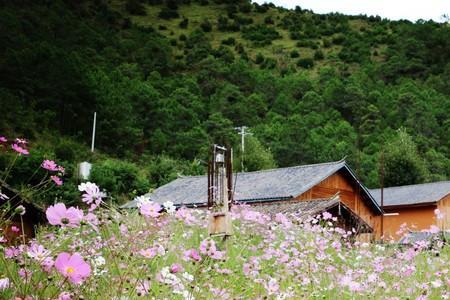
(219, 197)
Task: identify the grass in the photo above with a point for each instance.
(279, 49)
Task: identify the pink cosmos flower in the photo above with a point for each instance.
(58, 214)
(175, 268)
(38, 252)
(272, 286)
(143, 288)
(20, 150)
(152, 252)
(4, 283)
(208, 247)
(58, 181)
(191, 254)
(47, 264)
(150, 209)
(3, 139)
(65, 296)
(92, 194)
(49, 165)
(73, 267)
(15, 229)
(326, 215)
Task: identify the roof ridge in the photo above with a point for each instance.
(274, 169)
(411, 185)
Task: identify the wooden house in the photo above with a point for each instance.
(312, 185)
(414, 206)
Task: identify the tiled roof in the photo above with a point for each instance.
(299, 208)
(412, 194)
(279, 183)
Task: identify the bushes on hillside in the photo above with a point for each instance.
(135, 7)
(306, 63)
(119, 177)
(167, 13)
(260, 34)
(206, 26)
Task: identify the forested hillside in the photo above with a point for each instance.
(168, 78)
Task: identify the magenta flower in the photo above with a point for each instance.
(20, 150)
(58, 181)
(73, 267)
(191, 254)
(49, 165)
(175, 268)
(3, 139)
(58, 214)
(150, 209)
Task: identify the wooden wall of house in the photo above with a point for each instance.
(350, 195)
(444, 207)
(415, 218)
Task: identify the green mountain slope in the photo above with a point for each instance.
(168, 78)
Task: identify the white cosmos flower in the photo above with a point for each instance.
(169, 207)
(141, 200)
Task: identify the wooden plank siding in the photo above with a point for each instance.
(415, 218)
(444, 207)
(350, 196)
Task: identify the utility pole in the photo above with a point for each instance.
(93, 132)
(242, 132)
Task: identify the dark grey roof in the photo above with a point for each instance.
(412, 194)
(279, 183)
(299, 208)
(309, 208)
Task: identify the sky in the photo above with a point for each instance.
(391, 9)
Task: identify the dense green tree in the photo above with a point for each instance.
(403, 165)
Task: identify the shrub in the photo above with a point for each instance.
(182, 37)
(339, 39)
(260, 34)
(184, 23)
(294, 54)
(119, 177)
(162, 27)
(168, 14)
(269, 63)
(268, 20)
(306, 63)
(318, 55)
(172, 4)
(229, 41)
(261, 8)
(259, 58)
(326, 43)
(135, 7)
(206, 26)
(204, 2)
(245, 8)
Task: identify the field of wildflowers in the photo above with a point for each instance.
(159, 252)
